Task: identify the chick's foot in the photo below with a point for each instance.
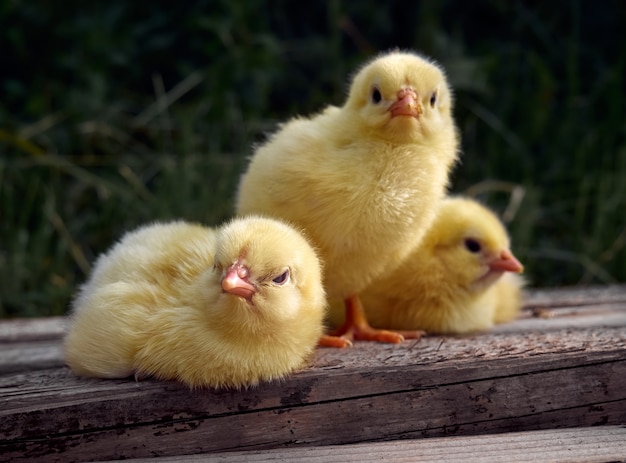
(356, 327)
(328, 340)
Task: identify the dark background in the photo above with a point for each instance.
(117, 113)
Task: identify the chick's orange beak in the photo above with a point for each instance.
(406, 104)
(506, 262)
(236, 281)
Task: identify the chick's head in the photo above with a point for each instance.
(472, 244)
(268, 274)
(401, 96)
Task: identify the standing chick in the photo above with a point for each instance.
(461, 278)
(210, 308)
(364, 180)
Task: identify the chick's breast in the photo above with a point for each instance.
(363, 179)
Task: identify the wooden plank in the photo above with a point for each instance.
(30, 356)
(25, 343)
(575, 296)
(550, 319)
(583, 445)
(401, 392)
(25, 329)
(28, 345)
(544, 375)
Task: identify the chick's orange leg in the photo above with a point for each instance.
(356, 326)
(346, 333)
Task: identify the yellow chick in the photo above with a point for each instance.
(225, 307)
(462, 277)
(363, 180)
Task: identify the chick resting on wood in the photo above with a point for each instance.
(225, 307)
(461, 278)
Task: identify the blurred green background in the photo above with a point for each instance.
(117, 113)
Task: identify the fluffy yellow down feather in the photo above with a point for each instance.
(462, 278)
(225, 307)
(363, 180)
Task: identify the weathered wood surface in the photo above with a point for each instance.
(597, 444)
(564, 369)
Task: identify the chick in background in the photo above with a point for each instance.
(462, 278)
(226, 307)
(363, 180)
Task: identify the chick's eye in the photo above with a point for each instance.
(472, 245)
(376, 96)
(282, 278)
(433, 99)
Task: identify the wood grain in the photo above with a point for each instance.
(567, 371)
(597, 444)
